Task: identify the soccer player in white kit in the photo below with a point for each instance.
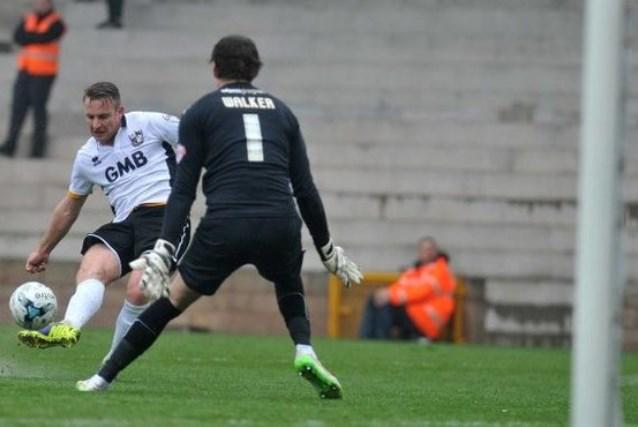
(131, 157)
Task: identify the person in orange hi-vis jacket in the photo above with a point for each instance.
(38, 34)
(418, 305)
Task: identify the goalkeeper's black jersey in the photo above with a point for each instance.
(254, 159)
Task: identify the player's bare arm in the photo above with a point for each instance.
(63, 217)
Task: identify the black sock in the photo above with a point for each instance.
(293, 308)
(139, 337)
(299, 329)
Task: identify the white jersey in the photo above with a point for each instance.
(137, 169)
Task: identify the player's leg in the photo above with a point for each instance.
(206, 264)
(142, 334)
(103, 252)
(281, 264)
(147, 225)
(134, 304)
(99, 267)
(292, 305)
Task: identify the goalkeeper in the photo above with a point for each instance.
(252, 151)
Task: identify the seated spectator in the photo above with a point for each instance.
(418, 305)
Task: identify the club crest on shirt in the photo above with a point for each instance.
(137, 138)
(170, 118)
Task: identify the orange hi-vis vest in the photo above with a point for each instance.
(427, 292)
(40, 59)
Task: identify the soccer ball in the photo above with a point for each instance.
(33, 305)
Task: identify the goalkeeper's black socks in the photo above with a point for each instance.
(299, 329)
(293, 308)
(142, 334)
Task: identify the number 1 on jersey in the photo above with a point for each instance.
(254, 142)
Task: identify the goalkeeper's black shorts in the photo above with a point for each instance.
(222, 245)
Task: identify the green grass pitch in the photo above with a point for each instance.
(193, 380)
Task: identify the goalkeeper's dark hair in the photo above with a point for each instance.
(236, 58)
(102, 90)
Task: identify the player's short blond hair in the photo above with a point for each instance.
(102, 90)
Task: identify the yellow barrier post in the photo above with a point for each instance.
(334, 304)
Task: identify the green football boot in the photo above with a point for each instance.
(312, 370)
(56, 334)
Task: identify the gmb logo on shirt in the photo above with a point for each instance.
(127, 165)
